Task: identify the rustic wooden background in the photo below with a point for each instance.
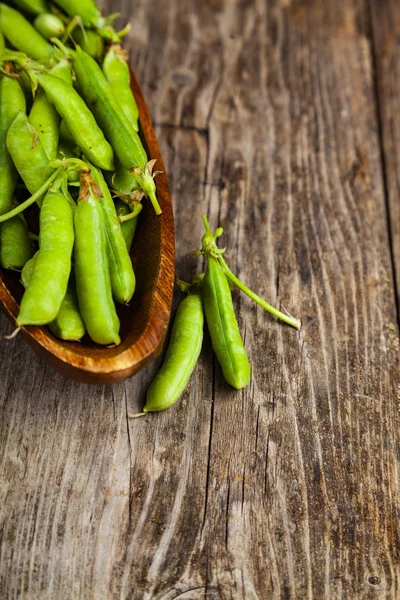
(280, 119)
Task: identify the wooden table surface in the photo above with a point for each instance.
(280, 119)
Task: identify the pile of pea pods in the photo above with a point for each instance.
(69, 141)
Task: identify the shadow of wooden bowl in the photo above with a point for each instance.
(144, 322)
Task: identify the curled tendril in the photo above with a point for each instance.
(136, 209)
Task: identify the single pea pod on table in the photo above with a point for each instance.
(181, 357)
(223, 327)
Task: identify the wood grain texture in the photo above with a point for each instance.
(267, 120)
(385, 28)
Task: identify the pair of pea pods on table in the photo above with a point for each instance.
(210, 294)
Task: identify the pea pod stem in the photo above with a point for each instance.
(268, 307)
(74, 22)
(13, 334)
(66, 163)
(136, 210)
(74, 163)
(145, 179)
(154, 201)
(21, 207)
(132, 416)
(217, 253)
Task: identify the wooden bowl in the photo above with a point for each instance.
(144, 322)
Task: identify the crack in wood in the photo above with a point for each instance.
(128, 433)
(209, 449)
(179, 127)
(390, 222)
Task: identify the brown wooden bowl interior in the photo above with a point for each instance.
(144, 321)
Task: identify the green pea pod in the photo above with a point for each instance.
(85, 9)
(34, 7)
(22, 35)
(121, 270)
(116, 70)
(122, 180)
(90, 41)
(47, 287)
(27, 270)
(223, 327)
(181, 357)
(79, 120)
(128, 228)
(99, 95)
(44, 117)
(46, 120)
(49, 26)
(26, 85)
(12, 100)
(62, 69)
(127, 145)
(27, 152)
(15, 245)
(92, 273)
(68, 324)
(65, 134)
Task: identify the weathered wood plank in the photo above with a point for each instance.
(385, 25)
(266, 120)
